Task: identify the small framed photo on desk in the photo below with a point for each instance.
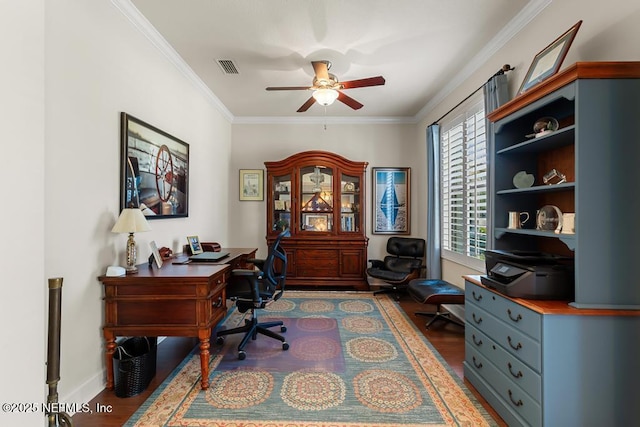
(194, 245)
(156, 253)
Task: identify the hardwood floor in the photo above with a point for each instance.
(447, 338)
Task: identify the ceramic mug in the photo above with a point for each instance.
(568, 223)
(517, 219)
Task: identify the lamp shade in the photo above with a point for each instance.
(131, 220)
(325, 96)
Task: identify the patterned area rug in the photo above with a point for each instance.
(354, 360)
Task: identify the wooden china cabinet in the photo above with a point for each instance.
(320, 197)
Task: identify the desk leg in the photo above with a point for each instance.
(110, 341)
(204, 336)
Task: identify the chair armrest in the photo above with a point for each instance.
(259, 263)
(244, 272)
(376, 263)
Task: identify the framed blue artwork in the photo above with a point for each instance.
(391, 200)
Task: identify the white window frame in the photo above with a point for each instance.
(473, 107)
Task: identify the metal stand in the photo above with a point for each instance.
(53, 354)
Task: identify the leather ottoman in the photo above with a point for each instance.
(438, 293)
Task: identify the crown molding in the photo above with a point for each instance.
(143, 25)
(526, 15)
(530, 11)
(334, 120)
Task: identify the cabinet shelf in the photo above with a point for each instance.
(565, 186)
(560, 138)
(567, 239)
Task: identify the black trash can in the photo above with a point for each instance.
(134, 365)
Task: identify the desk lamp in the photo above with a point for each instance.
(131, 220)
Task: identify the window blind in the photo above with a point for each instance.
(464, 183)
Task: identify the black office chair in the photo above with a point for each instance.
(402, 265)
(254, 289)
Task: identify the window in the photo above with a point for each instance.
(464, 187)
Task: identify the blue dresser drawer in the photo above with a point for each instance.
(515, 315)
(512, 397)
(519, 373)
(511, 339)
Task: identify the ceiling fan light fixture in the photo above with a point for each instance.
(325, 97)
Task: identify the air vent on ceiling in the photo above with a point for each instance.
(228, 67)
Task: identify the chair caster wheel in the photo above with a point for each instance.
(242, 355)
(220, 340)
(283, 329)
(285, 346)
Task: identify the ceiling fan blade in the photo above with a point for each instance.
(371, 81)
(289, 88)
(349, 101)
(306, 105)
(321, 69)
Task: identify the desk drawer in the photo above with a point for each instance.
(513, 314)
(519, 373)
(218, 305)
(160, 312)
(511, 339)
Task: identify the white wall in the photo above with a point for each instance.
(22, 305)
(76, 66)
(70, 68)
(382, 145)
(610, 32)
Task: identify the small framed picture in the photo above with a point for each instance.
(156, 253)
(251, 184)
(194, 245)
(547, 63)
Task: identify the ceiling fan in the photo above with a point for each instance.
(326, 87)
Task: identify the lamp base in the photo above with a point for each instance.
(131, 255)
(132, 270)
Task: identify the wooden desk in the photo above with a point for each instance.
(176, 300)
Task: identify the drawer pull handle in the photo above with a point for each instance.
(478, 342)
(516, 375)
(218, 303)
(476, 364)
(515, 347)
(518, 402)
(478, 320)
(476, 297)
(515, 319)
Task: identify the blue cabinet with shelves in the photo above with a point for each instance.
(578, 365)
(596, 148)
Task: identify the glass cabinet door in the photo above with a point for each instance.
(316, 212)
(350, 203)
(281, 202)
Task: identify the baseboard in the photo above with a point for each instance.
(87, 391)
(90, 388)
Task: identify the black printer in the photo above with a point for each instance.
(526, 274)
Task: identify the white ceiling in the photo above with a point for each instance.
(421, 48)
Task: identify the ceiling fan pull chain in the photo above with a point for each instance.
(325, 117)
